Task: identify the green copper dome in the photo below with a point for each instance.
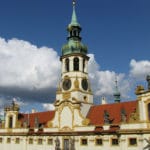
(74, 44)
(74, 47)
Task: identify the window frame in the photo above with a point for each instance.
(82, 141)
(30, 141)
(40, 141)
(17, 140)
(49, 141)
(1, 140)
(76, 64)
(115, 142)
(8, 140)
(97, 143)
(148, 111)
(130, 140)
(67, 65)
(10, 122)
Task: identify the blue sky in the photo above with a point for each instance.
(116, 32)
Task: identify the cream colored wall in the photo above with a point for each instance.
(66, 118)
(14, 115)
(71, 64)
(143, 100)
(85, 109)
(123, 145)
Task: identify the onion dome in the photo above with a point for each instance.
(74, 44)
(74, 47)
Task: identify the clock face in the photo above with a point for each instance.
(66, 84)
(84, 84)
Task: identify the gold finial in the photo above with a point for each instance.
(74, 2)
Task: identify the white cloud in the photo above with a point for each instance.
(139, 69)
(103, 82)
(27, 66)
(1, 106)
(48, 106)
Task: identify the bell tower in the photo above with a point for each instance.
(74, 91)
(74, 81)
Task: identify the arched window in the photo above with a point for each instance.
(76, 64)
(74, 32)
(148, 111)
(10, 122)
(71, 33)
(67, 64)
(83, 65)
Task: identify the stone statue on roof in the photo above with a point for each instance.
(72, 144)
(147, 147)
(57, 144)
(106, 117)
(148, 81)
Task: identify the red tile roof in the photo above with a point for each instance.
(96, 112)
(43, 118)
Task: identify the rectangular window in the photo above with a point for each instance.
(84, 142)
(66, 144)
(98, 142)
(50, 141)
(114, 142)
(17, 140)
(30, 141)
(40, 141)
(8, 140)
(133, 142)
(1, 140)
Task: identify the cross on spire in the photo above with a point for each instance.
(116, 93)
(74, 21)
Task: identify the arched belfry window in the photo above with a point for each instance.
(74, 33)
(67, 64)
(71, 34)
(83, 65)
(148, 111)
(10, 122)
(76, 64)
